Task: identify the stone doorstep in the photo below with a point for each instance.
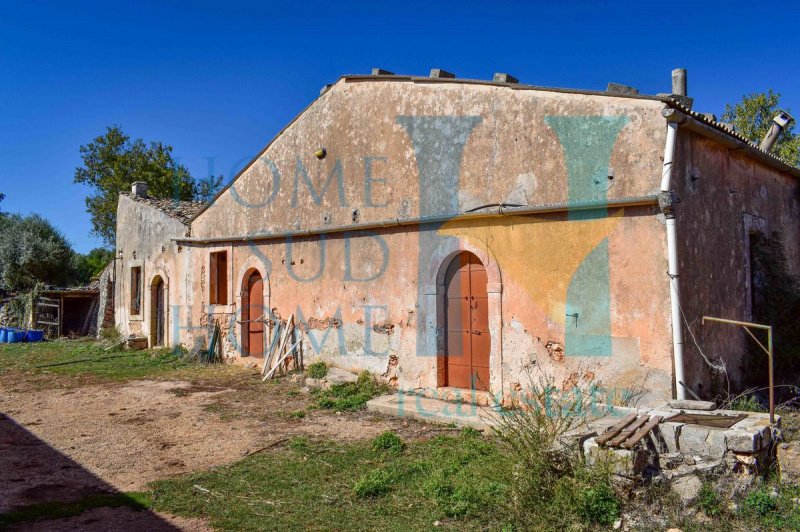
(455, 395)
(435, 410)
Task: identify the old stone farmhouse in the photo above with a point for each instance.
(453, 233)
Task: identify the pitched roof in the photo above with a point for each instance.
(668, 99)
(183, 211)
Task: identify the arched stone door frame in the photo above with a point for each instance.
(435, 305)
(151, 295)
(251, 265)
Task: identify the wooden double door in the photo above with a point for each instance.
(467, 327)
(253, 316)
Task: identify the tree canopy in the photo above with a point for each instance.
(90, 265)
(111, 162)
(752, 117)
(32, 251)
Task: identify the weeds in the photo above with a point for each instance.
(388, 441)
(709, 500)
(551, 487)
(350, 395)
(317, 370)
(374, 483)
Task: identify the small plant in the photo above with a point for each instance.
(388, 441)
(298, 414)
(317, 370)
(709, 500)
(759, 502)
(599, 505)
(375, 483)
(747, 403)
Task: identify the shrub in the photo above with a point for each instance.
(759, 502)
(709, 500)
(317, 370)
(599, 505)
(375, 483)
(551, 488)
(747, 403)
(388, 441)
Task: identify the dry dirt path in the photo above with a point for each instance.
(64, 443)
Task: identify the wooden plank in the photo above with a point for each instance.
(282, 359)
(284, 341)
(281, 345)
(628, 432)
(616, 429)
(272, 347)
(39, 322)
(642, 432)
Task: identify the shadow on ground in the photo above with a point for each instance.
(41, 488)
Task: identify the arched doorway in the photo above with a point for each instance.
(468, 341)
(253, 315)
(157, 312)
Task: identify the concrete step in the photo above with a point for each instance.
(435, 411)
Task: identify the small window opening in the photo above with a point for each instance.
(218, 269)
(136, 290)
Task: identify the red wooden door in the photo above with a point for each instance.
(468, 339)
(255, 307)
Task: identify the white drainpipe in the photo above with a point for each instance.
(666, 201)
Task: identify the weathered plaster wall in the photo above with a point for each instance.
(144, 238)
(399, 150)
(723, 195)
(356, 297)
(513, 146)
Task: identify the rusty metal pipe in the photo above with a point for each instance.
(768, 350)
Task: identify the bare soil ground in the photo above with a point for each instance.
(119, 436)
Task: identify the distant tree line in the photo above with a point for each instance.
(32, 251)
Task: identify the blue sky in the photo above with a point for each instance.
(218, 80)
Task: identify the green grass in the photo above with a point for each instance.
(459, 480)
(86, 357)
(56, 510)
(351, 395)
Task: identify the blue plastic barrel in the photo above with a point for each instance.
(15, 335)
(34, 335)
(3, 335)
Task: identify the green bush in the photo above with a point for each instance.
(709, 500)
(599, 505)
(747, 403)
(375, 483)
(388, 441)
(317, 370)
(551, 488)
(759, 502)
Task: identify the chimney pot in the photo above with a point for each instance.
(779, 123)
(441, 74)
(502, 77)
(139, 189)
(679, 82)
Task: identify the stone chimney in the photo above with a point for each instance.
(139, 189)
